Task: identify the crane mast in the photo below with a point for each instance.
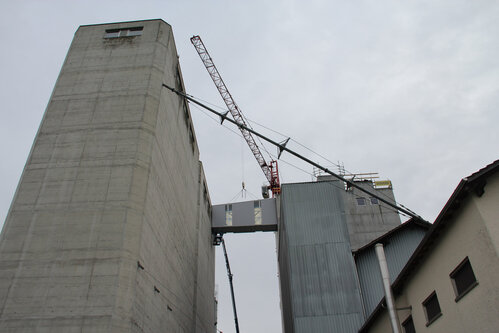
(269, 169)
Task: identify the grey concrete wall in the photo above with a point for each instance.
(370, 221)
(113, 180)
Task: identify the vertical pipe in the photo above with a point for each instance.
(394, 321)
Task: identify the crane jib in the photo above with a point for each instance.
(267, 168)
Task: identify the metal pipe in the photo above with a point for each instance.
(383, 267)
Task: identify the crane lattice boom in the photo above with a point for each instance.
(267, 168)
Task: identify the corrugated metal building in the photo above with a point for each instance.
(399, 244)
(325, 287)
(315, 261)
(320, 223)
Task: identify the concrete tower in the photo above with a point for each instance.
(109, 230)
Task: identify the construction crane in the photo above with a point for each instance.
(269, 169)
(282, 147)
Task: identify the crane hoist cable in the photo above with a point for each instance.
(269, 169)
(282, 147)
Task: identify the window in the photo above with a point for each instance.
(112, 33)
(137, 31)
(408, 325)
(374, 201)
(463, 279)
(431, 308)
(361, 201)
(127, 32)
(257, 208)
(228, 214)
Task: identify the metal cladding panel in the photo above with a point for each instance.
(218, 215)
(246, 216)
(320, 270)
(269, 211)
(323, 274)
(243, 213)
(398, 249)
(284, 283)
(314, 214)
(341, 323)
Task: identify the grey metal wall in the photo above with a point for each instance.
(398, 247)
(319, 288)
(246, 216)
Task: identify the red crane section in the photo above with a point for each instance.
(269, 169)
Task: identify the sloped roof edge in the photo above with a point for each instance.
(474, 183)
(385, 236)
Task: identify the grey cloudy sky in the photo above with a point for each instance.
(409, 89)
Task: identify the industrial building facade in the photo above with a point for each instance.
(450, 283)
(109, 229)
(328, 275)
(326, 231)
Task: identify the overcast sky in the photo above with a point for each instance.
(408, 89)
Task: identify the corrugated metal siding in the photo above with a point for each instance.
(324, 275)
(398, 249)
(340, 323)
(284, 283)
(324, 295)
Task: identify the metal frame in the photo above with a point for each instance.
(282, 147)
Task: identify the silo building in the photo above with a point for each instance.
(109, 229)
